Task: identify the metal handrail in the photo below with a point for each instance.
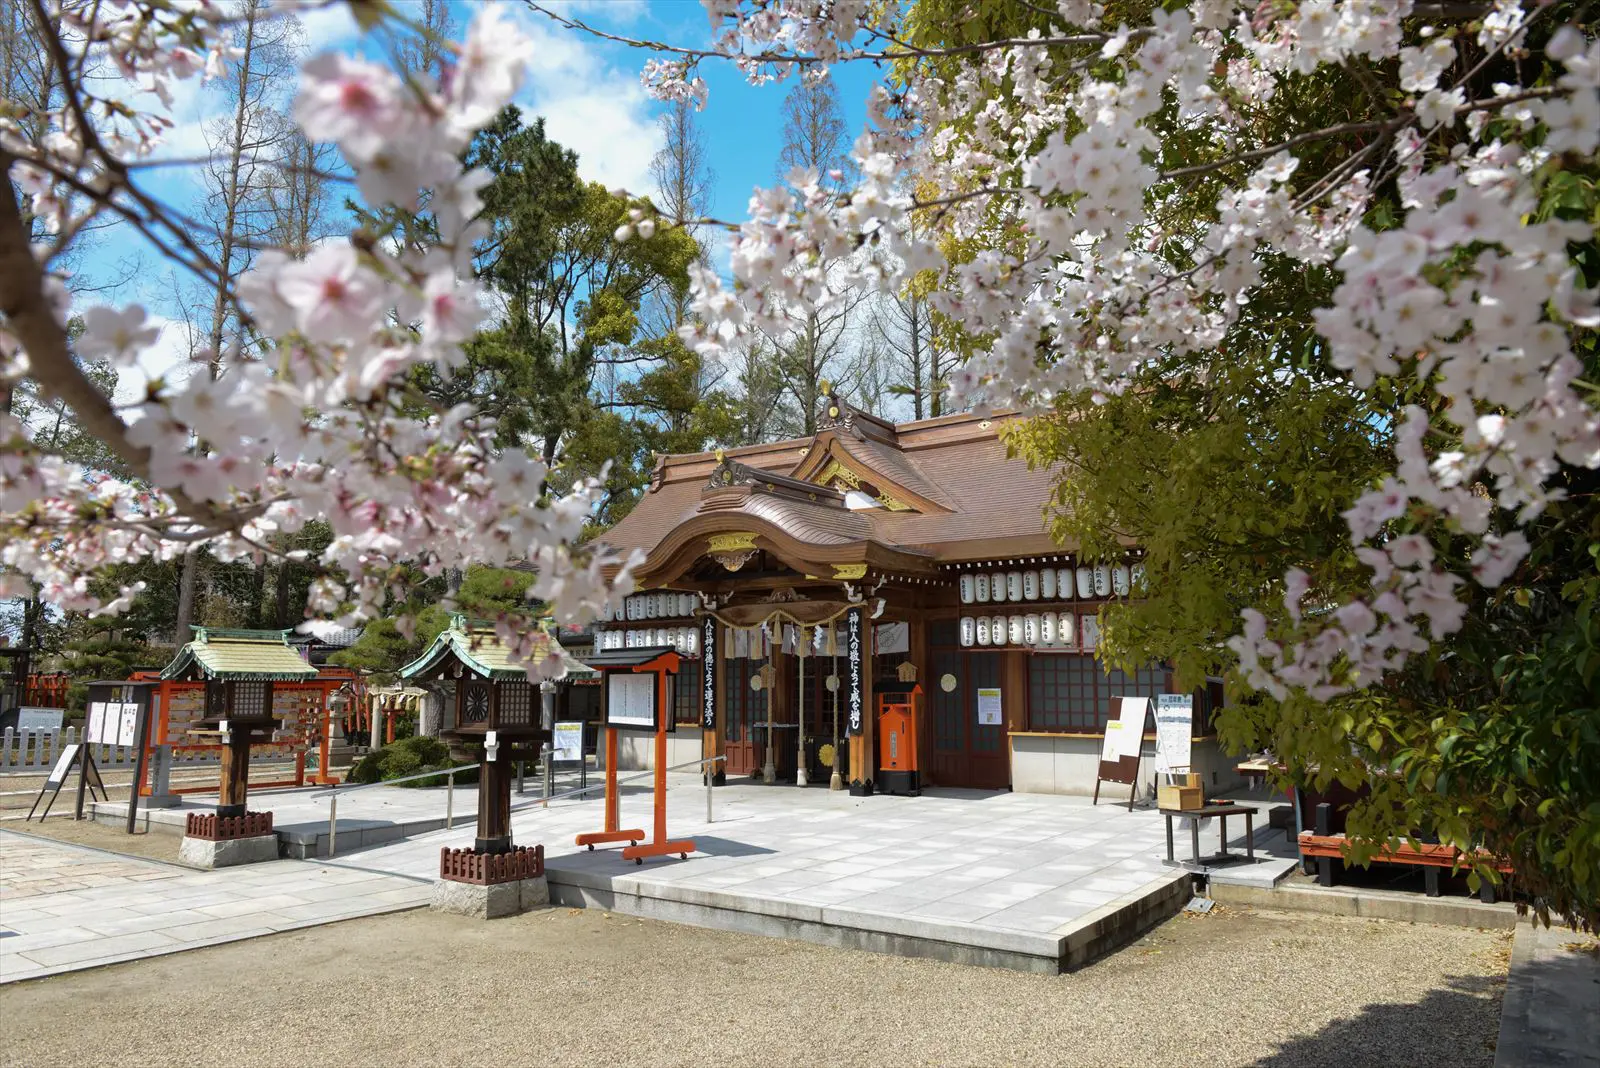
(332, 792)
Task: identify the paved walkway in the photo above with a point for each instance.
(1551, 1014)
(103, 909)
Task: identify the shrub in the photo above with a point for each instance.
(407, 757)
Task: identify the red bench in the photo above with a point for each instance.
(1326, 848)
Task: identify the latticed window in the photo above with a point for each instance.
(516, 703)
(686, 703)
(251, 700)
(1074, 693)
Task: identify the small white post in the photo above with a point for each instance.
(333, 823)
(710, 768)
(450, 799)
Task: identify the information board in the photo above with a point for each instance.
(708, 672)
(58, 774)
(1125, 734)
(567, 743)
(30, 718)
(989, 707)
(95, 726)
(1174, 731)
(631, 701)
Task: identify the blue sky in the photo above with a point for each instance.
(587, 89)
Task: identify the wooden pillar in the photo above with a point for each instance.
(1013, 698)
(494, 805)
(783, 703)
(924, 661)
(235, 773)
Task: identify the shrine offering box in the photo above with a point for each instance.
(1181, 792)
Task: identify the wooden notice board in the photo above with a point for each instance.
(1119, 753)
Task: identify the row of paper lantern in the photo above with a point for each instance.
(1052, 584)
(660, 605)
(1061, 630)
(683, 639)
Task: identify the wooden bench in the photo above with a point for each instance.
(1327, 848)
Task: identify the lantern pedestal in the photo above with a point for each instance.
(224, 841)
(491, 885)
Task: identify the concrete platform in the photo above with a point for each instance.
(1551, 1014)
(1035, 883)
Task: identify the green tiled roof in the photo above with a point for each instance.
(480, 650)
(224, 653)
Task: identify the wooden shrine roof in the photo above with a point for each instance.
(480, 650)
(237, 655)
(949, 490)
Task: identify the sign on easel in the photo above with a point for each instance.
(1119, 753)
(1174, 731)
(78, 754)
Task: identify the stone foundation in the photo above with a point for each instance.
(489, 901)
(226, 852)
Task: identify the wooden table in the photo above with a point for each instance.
(1222, 812)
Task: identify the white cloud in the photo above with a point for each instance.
(595, 108)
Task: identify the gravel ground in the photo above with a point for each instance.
(565, 986)
(156, 845)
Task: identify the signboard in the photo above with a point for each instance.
(58, 774)
(567, 743)
(989, 707)
(631, 700)
(1125, 734)
(38, 719)
(855, 654)
(95, 727)
(1174, 731)
(708, 673)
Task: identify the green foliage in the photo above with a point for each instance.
(408, 756)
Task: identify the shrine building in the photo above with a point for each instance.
(922, 548)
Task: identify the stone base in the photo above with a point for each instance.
(226, 852)
(488, 902)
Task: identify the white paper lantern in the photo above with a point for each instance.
(983, 630)
(1085, 582)
(1030, 585)
(997, 586)
(1064, 583)
(1014, 630)
(980, 587)
(968, 589)
(650, 603)
(1089, 634)
(1136, 578)
(1030, 630)
(694, 641)
(627, 639)
(1067, 630)
(1102, 580)
(1047, 628)
(1119, 580)
(630, 610)
(1047, 584)
(1014, 586)
(969, 631)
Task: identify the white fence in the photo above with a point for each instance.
(36, 751)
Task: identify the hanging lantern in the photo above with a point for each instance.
(1014, 586)
(1119, 580)
(969, 631)
(1085, 582)
(694, 641)
(1064, 583)
(630, 610)
(983, 630)
(1014, 630)
(1136, 578)
(1047, 584)
(997, 586)
(1047, 628)
(1030, 585)
(1030, 630)
(980, 586)
(968, 589)
(1102, 580)
(1067, 630)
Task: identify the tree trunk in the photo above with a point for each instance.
(188, 573)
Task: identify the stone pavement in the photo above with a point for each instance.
(130, 908)
(1551, 1013)
(1018, 880)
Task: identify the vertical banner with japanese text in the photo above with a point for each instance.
(708, 673)
(856, 655)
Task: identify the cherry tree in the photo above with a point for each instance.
(317, 421)
(1050, 138)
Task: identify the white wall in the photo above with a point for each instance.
(1054, 764)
